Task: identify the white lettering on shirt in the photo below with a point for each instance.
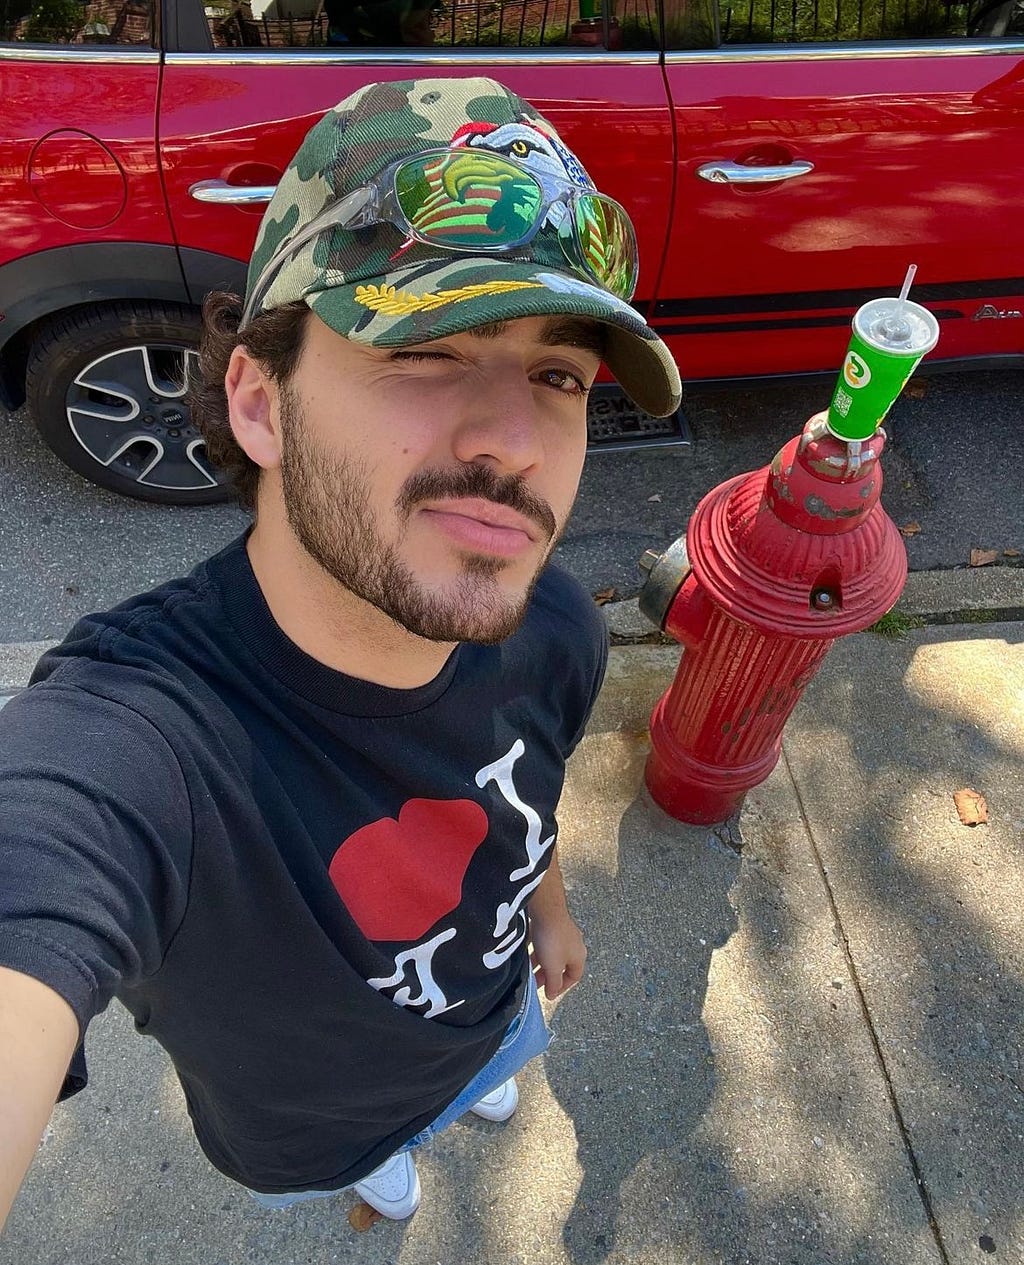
(503, 951)
(509, 912)
(501, 773)
(421, 958)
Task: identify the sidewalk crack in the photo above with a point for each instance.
(851, 966)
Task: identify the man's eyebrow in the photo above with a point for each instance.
(559, 331)
(494, 330)
(570, 331)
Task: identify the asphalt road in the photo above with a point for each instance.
(953, 466)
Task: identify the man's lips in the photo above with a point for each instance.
(483, 526)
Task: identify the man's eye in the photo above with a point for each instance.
(563, 380)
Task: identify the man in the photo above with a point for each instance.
(296, 810)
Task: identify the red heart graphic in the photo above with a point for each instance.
(397, 878)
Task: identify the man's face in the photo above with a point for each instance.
(434, 481)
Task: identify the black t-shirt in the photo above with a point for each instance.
(309, 888)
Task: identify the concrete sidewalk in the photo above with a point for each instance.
(798, 1043)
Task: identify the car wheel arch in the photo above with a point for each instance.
(49, 284)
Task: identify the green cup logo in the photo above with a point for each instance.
(856, 373)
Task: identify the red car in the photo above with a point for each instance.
(783, 163)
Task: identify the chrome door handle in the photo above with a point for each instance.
(740, 173)
(225, 194)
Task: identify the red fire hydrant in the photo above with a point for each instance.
(775, 566)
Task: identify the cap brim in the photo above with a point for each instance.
(426, 301)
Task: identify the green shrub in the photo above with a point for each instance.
(54, 21)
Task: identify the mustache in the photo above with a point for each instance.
(478, 481)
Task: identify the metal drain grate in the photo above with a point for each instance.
(615, 424)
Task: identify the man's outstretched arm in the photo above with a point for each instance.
(38, 1035)
(558, 953)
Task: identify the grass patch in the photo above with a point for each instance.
(895, 624)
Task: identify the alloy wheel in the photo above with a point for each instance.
(127, 409)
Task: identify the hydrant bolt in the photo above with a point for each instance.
(648, 560)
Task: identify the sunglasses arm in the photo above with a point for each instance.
(354, 210)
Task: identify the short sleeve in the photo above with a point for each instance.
(596, 643)
(95, 844)
(574, 634)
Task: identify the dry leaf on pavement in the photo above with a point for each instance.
(916, 390)
(982, 557)
(655, 497)
(604, 595)
(1011, 553)
(971, 806)
(363, 1216)
(910, 529)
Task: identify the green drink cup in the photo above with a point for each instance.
(890, 337)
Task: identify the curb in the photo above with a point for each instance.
(976, 595)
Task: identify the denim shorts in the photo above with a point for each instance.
(526, 1037)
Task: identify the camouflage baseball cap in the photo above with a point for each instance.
(374, 286)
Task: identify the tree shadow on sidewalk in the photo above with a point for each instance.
(732, 1108)
(630, 1062)
(930, 907)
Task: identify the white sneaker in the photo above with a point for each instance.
(393, 1188)
(500, 1103)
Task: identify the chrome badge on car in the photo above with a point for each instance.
(988, 312)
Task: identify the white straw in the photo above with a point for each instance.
(908, 281)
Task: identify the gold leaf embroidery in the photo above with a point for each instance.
(392, 302)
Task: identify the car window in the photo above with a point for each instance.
(829, 21)
(72, 22)
(691, 23)
(432, 23)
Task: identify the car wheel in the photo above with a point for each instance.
(106, 388)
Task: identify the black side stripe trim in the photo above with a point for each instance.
(796, 322)
(813, 300)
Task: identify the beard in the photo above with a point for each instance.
(329, 511)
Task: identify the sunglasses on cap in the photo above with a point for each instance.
(472, 201)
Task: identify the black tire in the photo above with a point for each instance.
(106, 386)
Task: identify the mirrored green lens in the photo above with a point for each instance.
(605, 237)
(468, 199)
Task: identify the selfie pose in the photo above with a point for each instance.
(296, 810)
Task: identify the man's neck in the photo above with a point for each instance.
(331, 624)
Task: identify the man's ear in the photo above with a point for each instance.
(252, 399)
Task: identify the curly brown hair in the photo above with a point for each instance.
(275, 339)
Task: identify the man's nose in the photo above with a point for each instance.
(501, 425)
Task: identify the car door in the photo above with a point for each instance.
(244, 82)
(83, 206)
(815, 164)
